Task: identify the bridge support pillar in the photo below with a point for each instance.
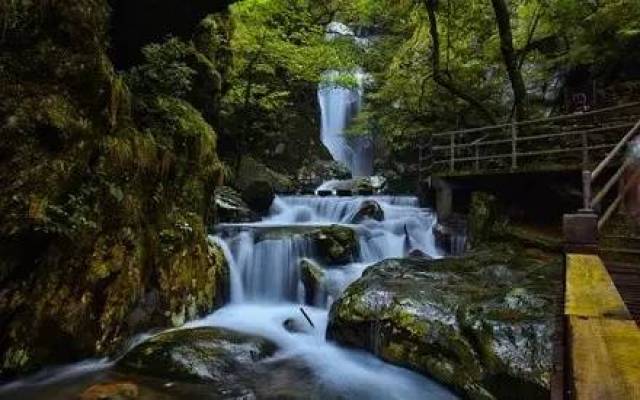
(581, 232)
(444, 198)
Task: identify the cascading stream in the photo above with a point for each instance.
(266, 291)
(266, 287)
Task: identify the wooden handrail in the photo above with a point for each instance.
(609, 185)
(598, 170)
(536, 121)
(482, 142)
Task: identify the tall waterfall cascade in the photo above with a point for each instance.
(339, 105)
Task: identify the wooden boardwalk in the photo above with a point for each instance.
(597, 350)
(603, 340)
(562, 143)
(626, 277)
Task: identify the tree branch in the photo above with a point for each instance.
(438, 76)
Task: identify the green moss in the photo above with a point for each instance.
(107, 196)
(457, 320)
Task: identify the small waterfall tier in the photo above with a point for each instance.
(265, 256)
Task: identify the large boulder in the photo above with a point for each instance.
(259, 184)
(369, 209)
(198, 355)
(482, 324)
(336, 244)
(313, 279)
(225, 363)
(251, 170)
(259, 195)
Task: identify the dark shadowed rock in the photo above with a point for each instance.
(369, 209)
(336, 244)
(419, 254)
(486, 335)
(259, 195)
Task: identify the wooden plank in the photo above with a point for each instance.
(605, 356)
(603, 340)
(590, 292)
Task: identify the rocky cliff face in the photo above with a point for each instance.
(105, 192)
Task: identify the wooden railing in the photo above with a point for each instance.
(593, 202)
(562, 142)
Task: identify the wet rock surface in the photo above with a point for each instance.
(313, 278)
(481, 324)
(111, 391)
(198, 354)
(336, 244)
(369, 209)
(218, 363)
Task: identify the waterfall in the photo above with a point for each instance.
(339, 105)
(267, 269)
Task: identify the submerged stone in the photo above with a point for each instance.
(451, 320)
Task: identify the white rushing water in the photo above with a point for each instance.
(266, 288)
(266, 291)
(339, 106)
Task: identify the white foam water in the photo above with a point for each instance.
(267, 289)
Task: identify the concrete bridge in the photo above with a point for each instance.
(598, 343)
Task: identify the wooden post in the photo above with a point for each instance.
(585, 151)
(514, 144)
(477, 148)
(452, 161)
(586, 191)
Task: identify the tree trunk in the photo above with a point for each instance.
(438, 76)
(510, 59)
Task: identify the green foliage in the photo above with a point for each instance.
(347, 80)
(280, 53)
(165, 71)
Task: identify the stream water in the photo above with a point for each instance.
(266, 290)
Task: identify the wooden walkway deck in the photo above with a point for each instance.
(597, 355)
(626, 277)
(603, 339)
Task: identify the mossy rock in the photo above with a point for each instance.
(336, 244)
(251, 170)
(481, 324)
(313, 279)
(197, 354)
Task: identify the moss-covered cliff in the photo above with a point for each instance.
(106, 188)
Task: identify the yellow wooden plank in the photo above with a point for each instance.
(590, 292)
(605, 355)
